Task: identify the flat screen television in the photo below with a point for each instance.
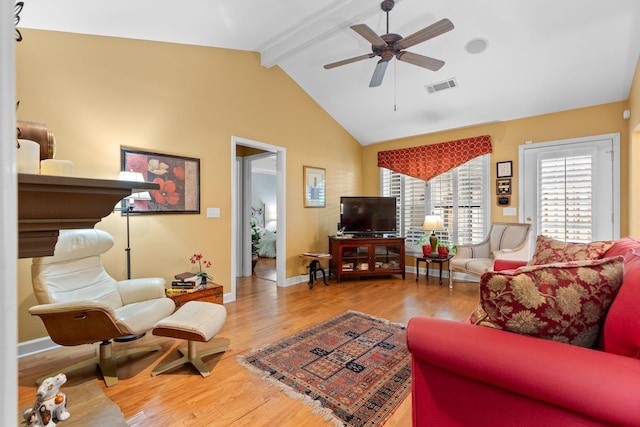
(368, 216)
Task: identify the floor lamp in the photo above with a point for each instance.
(127, 205)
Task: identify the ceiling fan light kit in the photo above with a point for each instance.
(390, 45)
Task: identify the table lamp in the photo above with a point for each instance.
(433, 223)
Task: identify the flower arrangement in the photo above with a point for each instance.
(202, 263)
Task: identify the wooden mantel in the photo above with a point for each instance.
(47, 204)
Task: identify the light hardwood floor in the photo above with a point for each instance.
(263, 313)
(265, 269)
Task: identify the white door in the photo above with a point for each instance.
(570, 189)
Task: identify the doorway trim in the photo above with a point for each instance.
(239, 251)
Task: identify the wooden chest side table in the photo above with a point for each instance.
(212, 293)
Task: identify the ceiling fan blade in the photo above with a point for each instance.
(378, 73)
(369, 34)
(420, 60)
(349, 61)
(424, 34)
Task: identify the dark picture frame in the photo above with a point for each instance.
(504, 169)
(178, 177)
(314, 187)
(503, 186)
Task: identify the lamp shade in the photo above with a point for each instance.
(135, 177)
(433, 223)
(130, 176)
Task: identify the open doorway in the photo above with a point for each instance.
(264, 227)
(244, 152)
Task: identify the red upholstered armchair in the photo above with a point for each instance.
(469, 375)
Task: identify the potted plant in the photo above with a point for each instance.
(424, 242)
(202, 264)
(443, 251)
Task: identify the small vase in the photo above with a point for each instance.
(203, 280)
(426, 250)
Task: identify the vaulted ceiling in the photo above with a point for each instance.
(541, 56)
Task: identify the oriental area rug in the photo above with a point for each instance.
(354, 368)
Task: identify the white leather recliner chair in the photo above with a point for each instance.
(80, 303)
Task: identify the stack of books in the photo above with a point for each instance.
(185, 283)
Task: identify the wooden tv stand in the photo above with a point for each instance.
(366, 256)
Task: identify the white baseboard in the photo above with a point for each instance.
(445, 274)
(36, 346)
(295, 280)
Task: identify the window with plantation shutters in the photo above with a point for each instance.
(570, 189)
(458, 196)
(410, 202)
(566, 198)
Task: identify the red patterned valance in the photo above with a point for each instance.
(428, 161)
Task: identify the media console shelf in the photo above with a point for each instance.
(47, 204)
(366, 256)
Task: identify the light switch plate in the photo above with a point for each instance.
(213, 212)
(509, 211)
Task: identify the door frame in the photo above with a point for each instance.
(241, 209)
(247, 192)
(566, 144)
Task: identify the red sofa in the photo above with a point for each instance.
(469, 375)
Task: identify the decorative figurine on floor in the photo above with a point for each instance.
(50, 404)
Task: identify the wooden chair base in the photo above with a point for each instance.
(190, 355)
(105, 358)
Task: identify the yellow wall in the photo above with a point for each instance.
(507, 136)
(97, 94)
(634, 154)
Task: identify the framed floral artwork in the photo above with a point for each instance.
(178, 177)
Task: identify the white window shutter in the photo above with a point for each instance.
(566, 198)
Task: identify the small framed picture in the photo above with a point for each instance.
(313, 186)
(503, 186)
(504, 169)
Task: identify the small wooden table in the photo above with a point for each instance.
(314, 267)
(428, 260)
(212, 293)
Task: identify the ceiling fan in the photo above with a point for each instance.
(389, 45)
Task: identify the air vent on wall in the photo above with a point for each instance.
(440, 86)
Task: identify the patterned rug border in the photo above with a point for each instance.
(318, 409)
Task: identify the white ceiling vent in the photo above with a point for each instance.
(440, 86)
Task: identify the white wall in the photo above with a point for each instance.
(263, 191)
(8, 218)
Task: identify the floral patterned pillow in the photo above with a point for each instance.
(560, 302)
(550, 251)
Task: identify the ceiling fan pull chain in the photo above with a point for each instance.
(395, 86)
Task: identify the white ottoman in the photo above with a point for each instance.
(194, 321)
